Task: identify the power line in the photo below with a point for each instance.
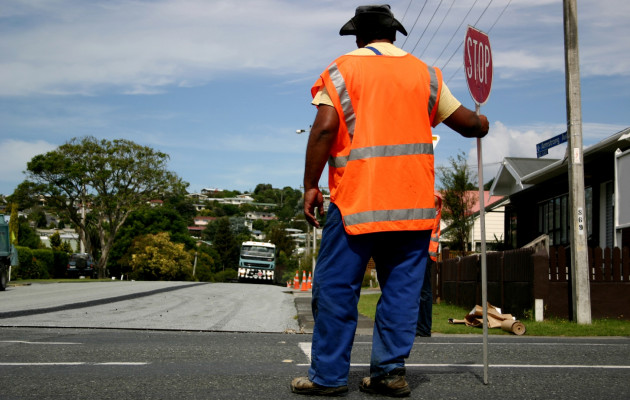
(500, 15)
(460, 45)
(475, 166)
(405, 14)
(414, 24)
(454, 33)
(438, 28)
(489, 30)
(427, 25)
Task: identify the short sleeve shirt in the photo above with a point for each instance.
(446, 105)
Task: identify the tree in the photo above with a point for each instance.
(27, 236)
(207, 263)
(24, 196)
(55, 241)
(107, 179)
(155, 257)
(278, 236)
(38, 217)
(148, 220)
(224, 242)
(14, 224)
(456, 186)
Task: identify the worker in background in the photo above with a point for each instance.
(375, 109)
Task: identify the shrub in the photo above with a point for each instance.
(369, 281)
(44, 262)
(33, 264)
(155, 257)
(225, 276)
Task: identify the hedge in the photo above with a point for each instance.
(39, 264)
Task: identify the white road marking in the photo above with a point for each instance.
(510, 344)
(25, 342)
(71, 364)
(306, 349)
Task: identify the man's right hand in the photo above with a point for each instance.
(313, 198)
(467, 123)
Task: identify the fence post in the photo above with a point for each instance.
(616, 265)
(502, 280)
(541, 278)
(625, 266)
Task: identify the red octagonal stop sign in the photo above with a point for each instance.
(478, 64)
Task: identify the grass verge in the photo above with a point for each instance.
(549, 327)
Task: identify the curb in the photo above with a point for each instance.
(302, 300)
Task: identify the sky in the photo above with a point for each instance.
(222, 86)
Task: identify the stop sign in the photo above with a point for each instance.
(478, 64)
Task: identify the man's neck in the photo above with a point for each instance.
(380, 41)
(361, 43)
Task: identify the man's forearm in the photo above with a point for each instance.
(320, 142)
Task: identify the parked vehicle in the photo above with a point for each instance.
(81, 264)
(257, 262)
(8, 253)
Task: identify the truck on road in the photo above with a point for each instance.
(257, 262)
(8, 253)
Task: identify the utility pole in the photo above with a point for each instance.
(580, 289)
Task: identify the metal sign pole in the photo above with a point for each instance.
(484, 272)
(478, 66)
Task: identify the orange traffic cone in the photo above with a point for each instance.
(304, 288)
(296, 281)
(288, 284)
(309, 285)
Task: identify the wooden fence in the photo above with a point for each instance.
(609, 275)
(509, 280)
(517, 277)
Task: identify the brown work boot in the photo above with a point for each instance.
(393, 384)
(303, 385)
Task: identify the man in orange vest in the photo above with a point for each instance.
(376, 106)
(425, 319)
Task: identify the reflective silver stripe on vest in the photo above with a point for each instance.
(434, 89)
(381, 151)
(389, 216)
(344, 98)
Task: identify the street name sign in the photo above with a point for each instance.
(542, 148)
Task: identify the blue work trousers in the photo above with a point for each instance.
(425, 319)
(400, 259)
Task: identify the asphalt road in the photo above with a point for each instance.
(45, 354)
(151, 305)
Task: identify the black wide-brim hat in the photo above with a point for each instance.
(370, 18)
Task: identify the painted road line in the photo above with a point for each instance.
(306, 349)
(513, 366)
(51, 343)
(72, 364)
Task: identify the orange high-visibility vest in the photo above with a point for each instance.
(381, 173)
(434, 244)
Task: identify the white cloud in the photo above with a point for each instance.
(15, 155)
(142, 46)
(520, 141)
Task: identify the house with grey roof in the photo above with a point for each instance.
(538, 191)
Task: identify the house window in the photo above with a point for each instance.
(554, 219)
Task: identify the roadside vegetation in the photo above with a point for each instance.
(132, 215)
(549, 327)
